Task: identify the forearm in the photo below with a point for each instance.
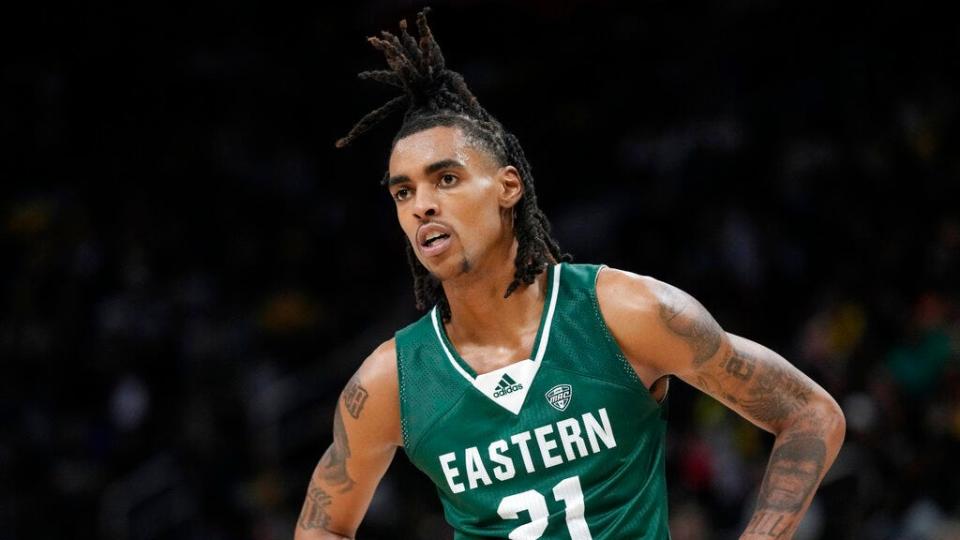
(802, 453)
(680, 337)
(318, 535)
(366, 434)
(315, 521)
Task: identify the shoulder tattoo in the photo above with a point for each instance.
(689, 320)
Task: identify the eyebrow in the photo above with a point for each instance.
(429, 169)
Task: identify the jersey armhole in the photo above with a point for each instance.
(410, 445)
(615, 349)
(401, 393)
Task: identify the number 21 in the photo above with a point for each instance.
(567, 491)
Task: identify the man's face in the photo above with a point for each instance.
(453, 201)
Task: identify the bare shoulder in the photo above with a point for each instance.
(623, 293)
(372, 395)
(629, 304)
(657, 325)
(632, 302)
(366, 434)
(380, 368)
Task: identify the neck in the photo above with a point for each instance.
(479, 312)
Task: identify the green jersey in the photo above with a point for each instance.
(566, 444)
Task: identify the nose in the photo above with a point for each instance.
(425, 204)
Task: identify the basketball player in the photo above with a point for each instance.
(532, 391)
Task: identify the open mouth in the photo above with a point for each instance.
(434, 238)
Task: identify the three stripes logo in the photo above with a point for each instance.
(506, 386)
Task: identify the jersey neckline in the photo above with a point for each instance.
(540, 342)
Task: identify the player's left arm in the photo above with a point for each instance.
(663, 330)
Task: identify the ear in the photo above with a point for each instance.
(511, 186)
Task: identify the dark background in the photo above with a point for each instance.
(191, 272)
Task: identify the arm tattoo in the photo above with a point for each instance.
(774, 393)
(332, 469)
(770, 524)
(354, 396)
(314, 513)
(792, 475)
(739, 364)
(333, 464)
(687, 318)
(712, 386)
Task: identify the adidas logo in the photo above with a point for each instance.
(506, 386)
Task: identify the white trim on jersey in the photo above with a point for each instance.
(545, 335)
(523, 372)
(436, 327)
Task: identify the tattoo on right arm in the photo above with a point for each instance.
(354, 397)
(314, 513)
(333, 465)
(332, 468)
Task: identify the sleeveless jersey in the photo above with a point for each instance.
(567, 444)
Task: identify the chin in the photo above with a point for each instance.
(449, 268)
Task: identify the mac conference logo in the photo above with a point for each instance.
(559, 396)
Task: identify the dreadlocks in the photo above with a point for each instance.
(436, 96)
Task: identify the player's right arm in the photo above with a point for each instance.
(366, 434)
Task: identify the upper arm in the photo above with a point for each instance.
(366, 433)
(663, 330)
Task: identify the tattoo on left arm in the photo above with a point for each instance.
(740, 365)
(775, 394)
(771, 393)
(794, 471)
(766, 389)
(792, 476)
(688, 319)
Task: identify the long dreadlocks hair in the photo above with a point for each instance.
(436, 96)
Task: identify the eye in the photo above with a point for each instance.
(401, 194)
(448, 179)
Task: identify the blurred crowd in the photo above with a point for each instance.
(190, 273)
